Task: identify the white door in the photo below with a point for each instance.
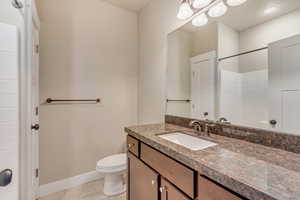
(9, 111)
(35, 111)
(203, 86)
(284, 83)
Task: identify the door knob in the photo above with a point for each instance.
(5, 177)
(35, 127)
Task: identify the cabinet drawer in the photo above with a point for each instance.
(208, 190)
(133, 145)
(176, 173)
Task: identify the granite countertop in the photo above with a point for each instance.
(254, 171)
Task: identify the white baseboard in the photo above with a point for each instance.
(68, 183)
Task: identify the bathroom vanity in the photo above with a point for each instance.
(231, 170)
(154, 175)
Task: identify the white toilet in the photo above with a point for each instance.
(114, 167)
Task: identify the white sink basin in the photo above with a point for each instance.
(187, 141)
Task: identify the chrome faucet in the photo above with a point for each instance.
(196, 125)
(208, 126)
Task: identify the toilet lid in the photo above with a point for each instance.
(113, 161)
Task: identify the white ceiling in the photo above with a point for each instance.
(134, 5)
(252, 13)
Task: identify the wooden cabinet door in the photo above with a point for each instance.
(169, 192)
(208, 190)
(142, 180)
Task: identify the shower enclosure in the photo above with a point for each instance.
(244, 88)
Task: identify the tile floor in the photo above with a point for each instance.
(88, 191)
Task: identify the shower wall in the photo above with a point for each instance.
(244, 79)
(243, 97)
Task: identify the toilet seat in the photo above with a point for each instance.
(114, 163)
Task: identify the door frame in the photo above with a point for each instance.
(31, 22)
(34, 136)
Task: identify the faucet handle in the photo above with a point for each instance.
(209, 127)
(223, 120)
(193, 123)
(197, 126)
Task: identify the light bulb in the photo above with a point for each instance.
(235, 2)
(218, 10)
(200, 20)
(201, 3)
(185, 11)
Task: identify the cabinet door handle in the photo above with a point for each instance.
(153, 182)
(164, 189)
(129, 146)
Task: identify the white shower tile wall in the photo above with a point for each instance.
(243, 97)
(231, 95)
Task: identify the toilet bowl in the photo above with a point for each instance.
(113, 167)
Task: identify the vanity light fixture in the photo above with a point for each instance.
(185, 10)
(218, 10)
(199, 9)
(200, 20)
(201, 3)
(235, 2)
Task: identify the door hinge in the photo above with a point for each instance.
(36, 111)
(37, 48)
(36, 173)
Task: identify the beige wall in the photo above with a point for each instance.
(156, 20)
(263, 34)
(205, 39)
(178, 72)
(88, 50)
(271, 31)
(228, 44)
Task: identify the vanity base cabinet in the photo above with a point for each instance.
(143, 181)
(169, 192)
(153, 175)
(178, 174)
(208, 190)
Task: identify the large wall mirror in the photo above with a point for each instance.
(243, 67)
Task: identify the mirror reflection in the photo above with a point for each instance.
(242, 68)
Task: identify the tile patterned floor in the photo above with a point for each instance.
(88, 191)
